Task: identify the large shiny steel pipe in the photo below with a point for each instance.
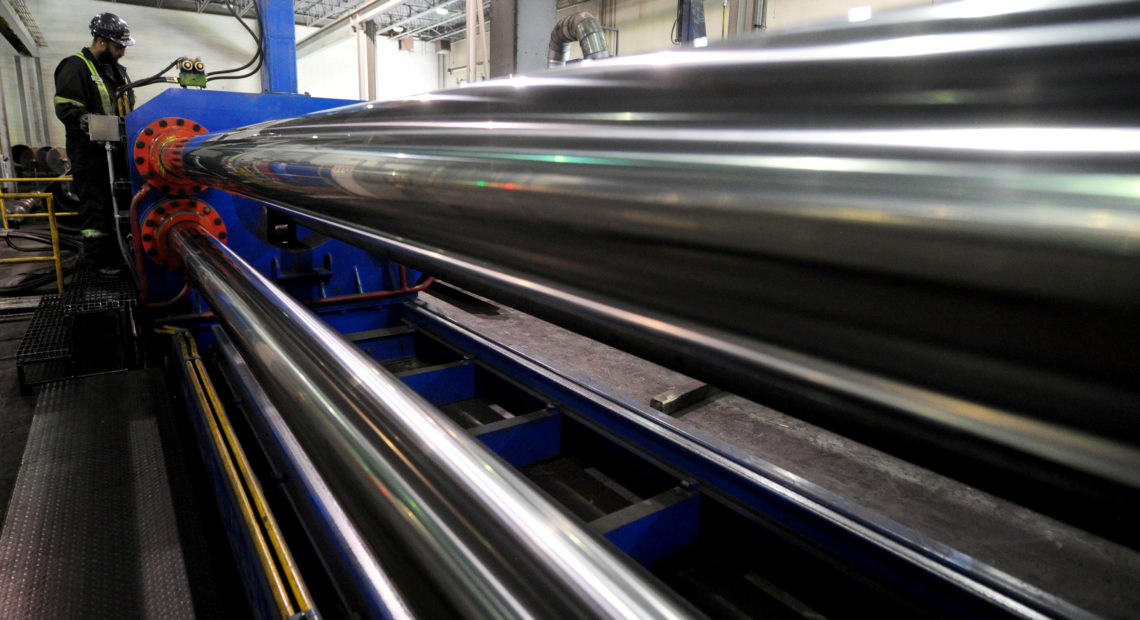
(943, 202)
(359, 577)
(404, 472)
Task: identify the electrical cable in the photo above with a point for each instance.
(73, 244)
(154, 79)
(256, 36)
(258, 55)
(252, 71)
(20, 248)
(36, 279)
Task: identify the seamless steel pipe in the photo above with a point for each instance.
(403, 471)
(928, 219)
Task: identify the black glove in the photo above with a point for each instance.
(84, 123)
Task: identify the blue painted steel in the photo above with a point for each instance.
(279, 46)
(691, 21)
(657, 536)
(326, 269)
(392, 347)
(351, 317)
(897, 556)
(524, 443)
(444, 384)
(346, 318)
(254, 580)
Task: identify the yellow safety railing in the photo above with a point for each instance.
(50, 215)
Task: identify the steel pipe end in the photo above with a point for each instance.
(164, 216)
(157, 155)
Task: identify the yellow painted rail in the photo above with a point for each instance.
(50, 215)
(286, 585)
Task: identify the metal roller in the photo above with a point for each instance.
(404, 472)
(927, 219)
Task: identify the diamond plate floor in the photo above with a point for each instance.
(90, 529)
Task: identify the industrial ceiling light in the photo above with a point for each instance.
(442, 10)
(398, 29)
(859, 14)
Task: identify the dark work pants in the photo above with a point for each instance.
(92, 184)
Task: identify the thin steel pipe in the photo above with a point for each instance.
(361, 581)
(403, 470)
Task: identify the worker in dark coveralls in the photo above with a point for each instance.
(86, 83)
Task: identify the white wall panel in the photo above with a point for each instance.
(332, 72)
(791, 13)
(645, 26)
(222, 43)
(10, 93)
(162, 36)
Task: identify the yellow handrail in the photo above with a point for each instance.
(51, 215)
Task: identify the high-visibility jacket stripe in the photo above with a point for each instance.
(104, 97)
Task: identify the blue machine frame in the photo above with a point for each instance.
(279, 69)
(318, 268)
(324, 269)
(693, 477)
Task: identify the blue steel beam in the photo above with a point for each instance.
(279, 70)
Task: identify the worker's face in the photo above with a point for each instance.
(109, 52)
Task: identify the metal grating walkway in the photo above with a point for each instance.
(91, 529)
(46, 353)
(91, 292)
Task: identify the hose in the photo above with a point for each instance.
(154, 79)
(258, 56)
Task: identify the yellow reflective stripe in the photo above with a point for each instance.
(104, 98)
(65, 101)
(124, 104)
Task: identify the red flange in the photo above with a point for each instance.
(162, 216)
(157, 155)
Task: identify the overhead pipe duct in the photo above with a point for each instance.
(878, 223)
(402, 470)
(581, 27)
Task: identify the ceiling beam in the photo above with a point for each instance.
(412, 18)
(342, 25)
(307, 6)
(21, 38)
(413, 33)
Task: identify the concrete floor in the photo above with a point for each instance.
(1087, 571)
